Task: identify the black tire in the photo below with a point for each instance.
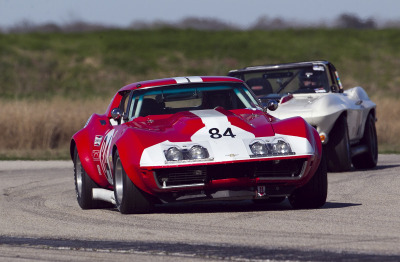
(271, 200)
(368, 159)
(338, 147)
(314, 193)
(83, 185)
(128, 198)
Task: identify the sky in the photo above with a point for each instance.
(242, 13)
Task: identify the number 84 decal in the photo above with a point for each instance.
(215, 133)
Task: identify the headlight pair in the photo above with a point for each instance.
(196, 152)
(278, 147)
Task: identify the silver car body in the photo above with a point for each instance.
(313, 90)
(321, 110)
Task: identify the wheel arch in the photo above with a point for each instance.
(340, 115)
(130, 158)
(72, 147)
(373, 112)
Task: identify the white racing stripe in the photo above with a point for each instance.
(188, 79)
(224, 141)
(181, 80)
(194, 79)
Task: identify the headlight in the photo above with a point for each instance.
(198, 152)
(280, 147)
(187, 153)
(258, 148)
(173, 154)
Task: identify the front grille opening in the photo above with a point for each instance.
(290, 168)
(186, 176)
(170, 177)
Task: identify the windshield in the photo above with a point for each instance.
(311, 79)
(173, 99)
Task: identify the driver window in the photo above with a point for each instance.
(124, 107)
(132, 109)
(124, 103)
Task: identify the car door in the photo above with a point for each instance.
(353, 104)
(108, 141)
(354, 119)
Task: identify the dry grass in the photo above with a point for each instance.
(388, 125)
(42, 129)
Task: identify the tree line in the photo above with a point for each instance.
(345, 20)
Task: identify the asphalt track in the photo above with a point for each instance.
(40, 220)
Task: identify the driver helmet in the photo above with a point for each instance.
(311, 79)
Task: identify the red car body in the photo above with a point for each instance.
(200, 152)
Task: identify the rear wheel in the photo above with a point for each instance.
(83, 185)
(338, 147)
(368, 159)
(314, 193)
(129, 199)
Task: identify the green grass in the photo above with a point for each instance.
(42, 65)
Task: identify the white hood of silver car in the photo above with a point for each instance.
(322, 109)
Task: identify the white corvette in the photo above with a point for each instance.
(345, 120)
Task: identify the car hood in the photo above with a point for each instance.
(226, 134)
(183, 125)
(310, 106)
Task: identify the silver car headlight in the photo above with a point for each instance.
(173, 154)
(197, 152)
(258, 148)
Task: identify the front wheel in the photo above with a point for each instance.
(314, 193)
(338, 147)
(129, 199)
(369, 159)
(83, 185)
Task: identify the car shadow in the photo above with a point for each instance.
(235, 207)
(333, 205)
(381, 167)
(378, 167)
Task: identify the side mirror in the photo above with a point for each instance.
(116, 114)
(272, 105)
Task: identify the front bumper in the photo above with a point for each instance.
(181, 177)
(229, 180)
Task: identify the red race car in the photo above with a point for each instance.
(194, 139)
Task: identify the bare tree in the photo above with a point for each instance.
(353, 21)
(265, 23)
(205, 24)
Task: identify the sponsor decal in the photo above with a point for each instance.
(320, 90)
(96, 155)
(257, 87)
(97, 140)
(318, 68)
(338, 79)
(99, 170)
(261, 191)
(105, 160)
